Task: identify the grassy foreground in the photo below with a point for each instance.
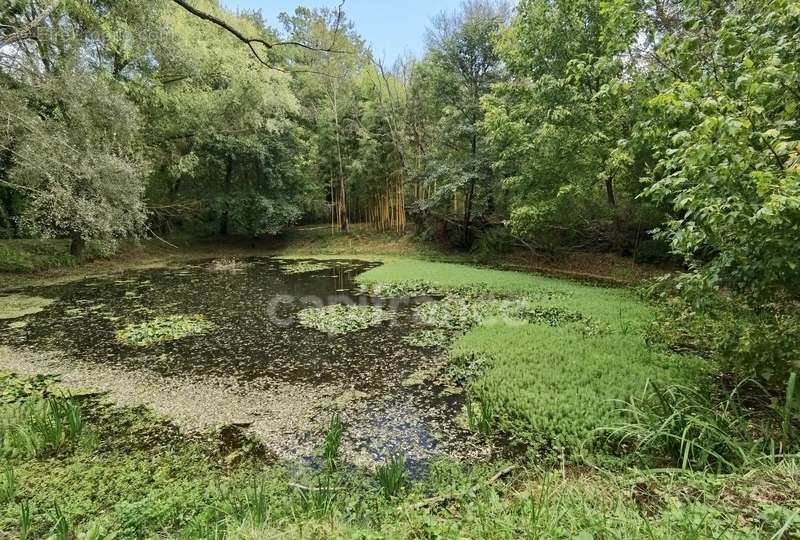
(127, 474)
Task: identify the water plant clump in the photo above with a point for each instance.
(462, 313)
(14, 306)
(428, 338)
(338, 319)
(303, 267)
(231, 265)
(162, 329)
(402, 289)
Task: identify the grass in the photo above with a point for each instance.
(694, 429)
(392, 476)
(142, 479)
(40, 428)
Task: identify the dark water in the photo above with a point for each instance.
(256, 338)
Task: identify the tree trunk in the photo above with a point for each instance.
(342, 187)
(77, 245)
(612, 200)
(468, 213)
(470, 193)
(224, 225)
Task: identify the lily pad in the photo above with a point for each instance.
(15, 306)
(163, 329)
(338, 319)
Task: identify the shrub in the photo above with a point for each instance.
(746, 343)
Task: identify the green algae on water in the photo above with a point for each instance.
(15, 306)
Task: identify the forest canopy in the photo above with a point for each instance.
(661, 129)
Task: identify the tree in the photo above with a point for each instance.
(223, 128)
(560, 126)
(460, 65)
(73, 145)
(727, 119)
(326, 85)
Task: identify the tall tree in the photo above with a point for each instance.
(459, 68)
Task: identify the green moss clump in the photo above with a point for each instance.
(340, 319)
(163, 329)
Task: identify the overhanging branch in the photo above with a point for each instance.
(252, 42)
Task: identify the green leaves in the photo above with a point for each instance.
(338, 319)
(726, 168)
(162, 329)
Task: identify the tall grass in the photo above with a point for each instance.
(8, 485)
(40, 427)
(697, 431)
(332, 442)
(391, 476)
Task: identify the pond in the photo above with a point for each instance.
(251, 363)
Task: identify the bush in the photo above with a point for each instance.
(746, 343)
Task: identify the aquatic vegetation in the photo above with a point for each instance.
(14, 306)
(554, 387)
(40, 427)
(302, 267)
(428, 338)
(338, 319)
(479, 414)
(163, 329)
(402, 289)
(232, 265)
(462, 313)
(332, 442)
(8, 485)
(391, 476)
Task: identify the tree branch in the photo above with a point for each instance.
(251, 42)
(26, 32)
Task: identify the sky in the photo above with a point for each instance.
(392, 27)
